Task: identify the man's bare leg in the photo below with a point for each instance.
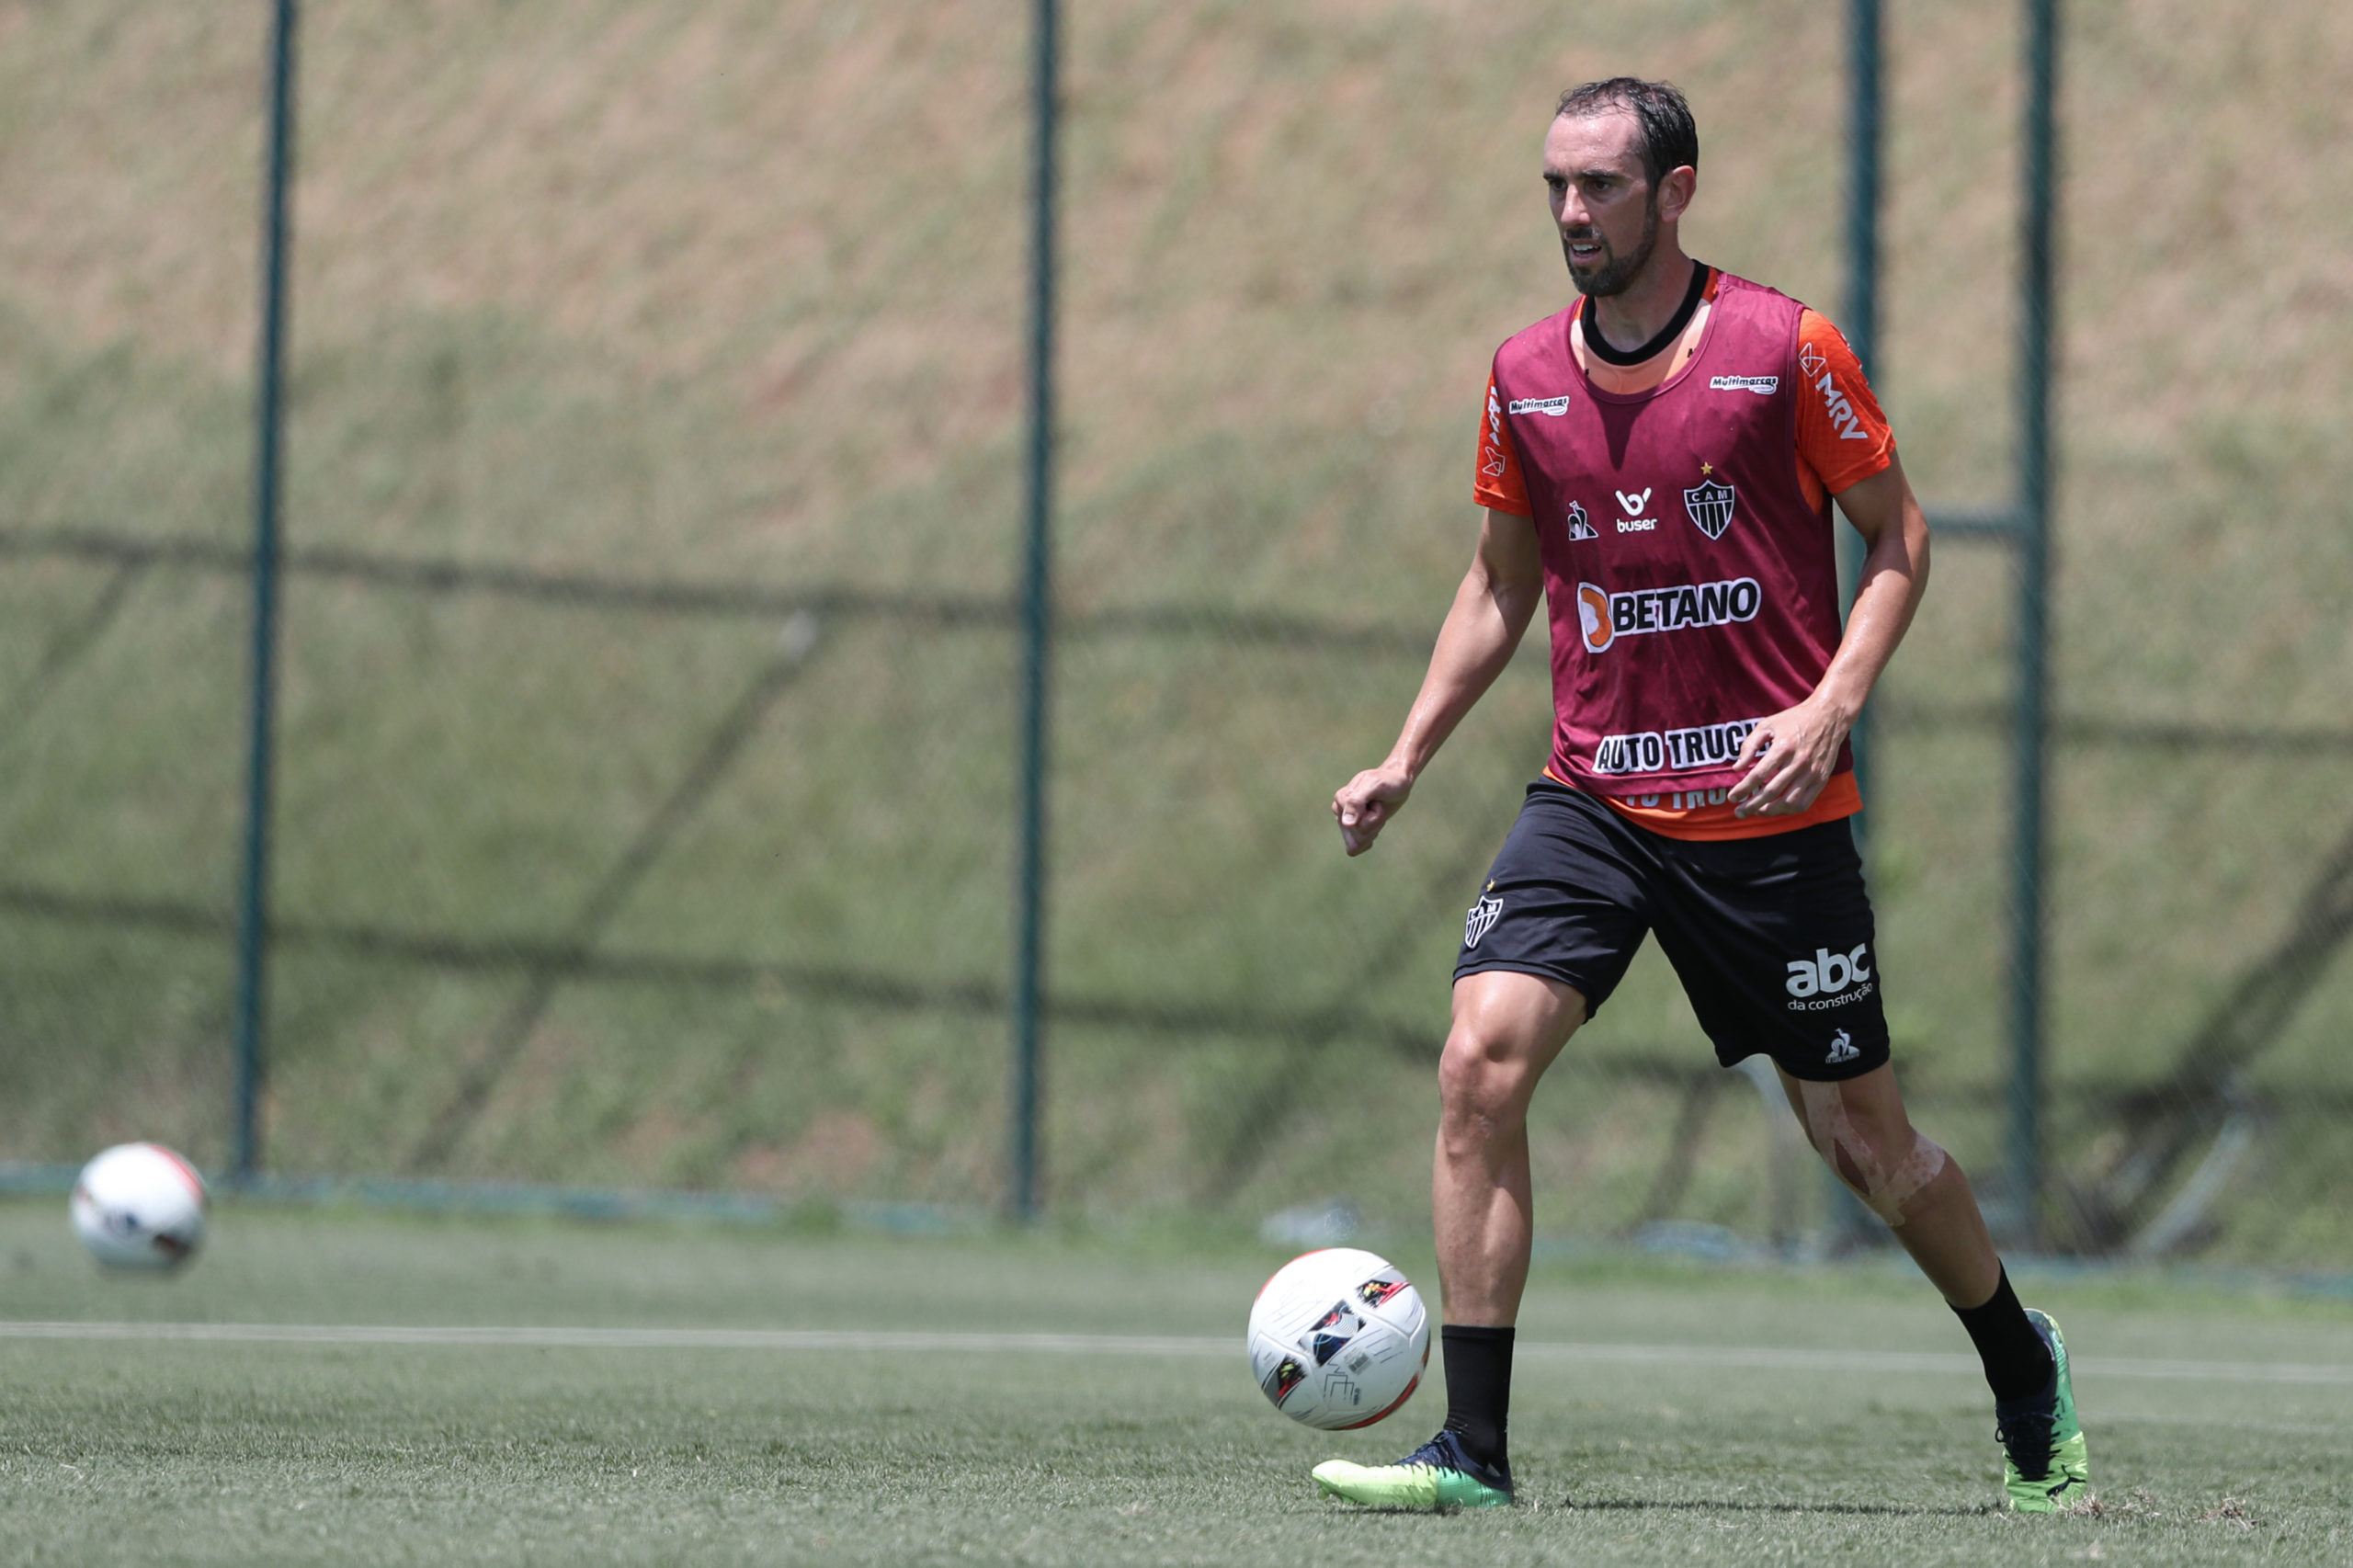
(1859, 1127)
(1507, 1028)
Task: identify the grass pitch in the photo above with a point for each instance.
(248, 1453)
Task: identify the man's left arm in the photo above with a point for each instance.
(1791, 755)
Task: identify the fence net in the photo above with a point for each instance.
(646, 755)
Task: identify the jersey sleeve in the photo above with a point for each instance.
(1843, 439)
(1499, 485)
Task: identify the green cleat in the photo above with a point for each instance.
(1438, 1474)
(2048, 1469)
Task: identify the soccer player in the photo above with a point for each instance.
(1657, 463)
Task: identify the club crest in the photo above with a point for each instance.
(1480, 920)
(1709, 505)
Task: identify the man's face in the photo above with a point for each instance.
(1601, 199)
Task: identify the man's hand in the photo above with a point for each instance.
(1499, 593)
(1365, 803)
(1789, 757)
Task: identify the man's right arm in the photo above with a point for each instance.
(1492, 609)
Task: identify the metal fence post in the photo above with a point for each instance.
(253, 922)
(1861, 325)
(1850, 1224)
(2033, 564)
(1037, 623)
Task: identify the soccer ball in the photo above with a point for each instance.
(1338, 1338)
(139, 1206)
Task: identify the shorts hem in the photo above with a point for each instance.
(1579, 984)
(1813, 1071)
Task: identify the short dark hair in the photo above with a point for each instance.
(1670, 138)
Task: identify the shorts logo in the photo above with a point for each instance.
(1763, 386)
(1606, 617)
(1578, 527)
(1709, 505)
(1480, 920)
(1842, 1048)
(1554, 406)
(1829, 980)
(1654, 751)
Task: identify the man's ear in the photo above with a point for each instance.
(1676, 190)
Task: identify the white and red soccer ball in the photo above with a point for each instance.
(1338, 1338)
(139, 1206)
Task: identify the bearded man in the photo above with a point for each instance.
(1657, 464)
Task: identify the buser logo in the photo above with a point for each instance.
(1827, 972)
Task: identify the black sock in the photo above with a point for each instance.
(1478, 1388)
(2018, 1364)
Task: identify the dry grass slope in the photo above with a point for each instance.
(731, 292)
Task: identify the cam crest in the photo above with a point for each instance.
(1480, 920)
(1709, 503)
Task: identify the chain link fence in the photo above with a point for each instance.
(646, 746)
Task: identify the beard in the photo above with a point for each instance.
(1611, 275)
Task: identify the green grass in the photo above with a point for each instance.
(251, 1454)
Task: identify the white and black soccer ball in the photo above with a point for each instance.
(139, 1206)
(1338, 1338)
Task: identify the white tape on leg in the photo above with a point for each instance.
(1885, 1186)
(1922, 1165)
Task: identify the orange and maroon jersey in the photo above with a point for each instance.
(1843, 437)
(1676, 630)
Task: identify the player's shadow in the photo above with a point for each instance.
(1706, 1505)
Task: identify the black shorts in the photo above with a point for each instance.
(1771, 937)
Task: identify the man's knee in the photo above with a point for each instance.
(1871, 1147)
(1481, 1075)
(1507, 1028)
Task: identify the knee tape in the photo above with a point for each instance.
(1885, 1185)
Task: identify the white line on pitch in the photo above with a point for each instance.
(1752, 1358)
